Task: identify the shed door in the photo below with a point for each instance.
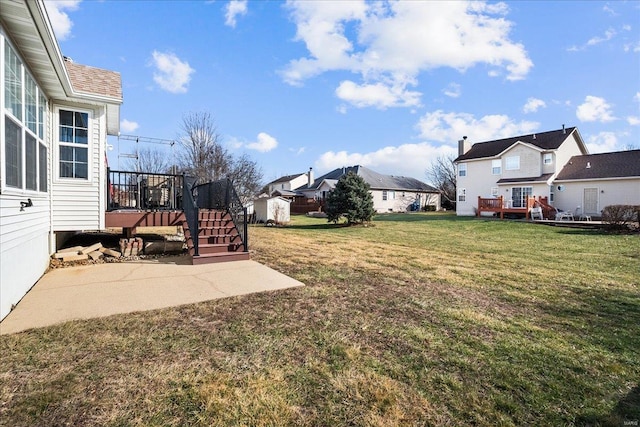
(590, 200)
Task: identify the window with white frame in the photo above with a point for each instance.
(494, 191)
(384, 195)
(25, 160)
(496, 167)
(73, 137)
(512, 163)
(462, 194)
(547, 158)
(462, 169)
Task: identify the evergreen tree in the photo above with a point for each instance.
(352, 199)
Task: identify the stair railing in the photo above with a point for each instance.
(191, 210)
(222, 196)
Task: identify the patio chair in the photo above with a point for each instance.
(564, 215)
(581, 215)
(536, 213)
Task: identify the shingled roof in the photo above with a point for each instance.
(375, 180)
(550, 140)
(620, 164)
(286, 178)
(95, 81)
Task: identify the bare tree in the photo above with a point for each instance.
(246, 176)
(150, 160)
(442, 175)
(203, 156)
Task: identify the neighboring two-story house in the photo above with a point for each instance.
(55, 116)
(287, 184)
(551, 165)
(514, 168)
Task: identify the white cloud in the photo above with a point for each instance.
(608, 35)
(233, 9)
(407, 160)
(633, 120)
(376, 95)
(391, 43)
(60, 21)
(607, 8)
(533, 104)
(632, 47)
(128, 126)
(453, 90)
(603, 142)
(264, 143)
(450, 127)
(594, 109)
(636, 97)
(172, 74)
(298, 151)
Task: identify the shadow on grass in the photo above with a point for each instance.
(321, 226)
(625, 413)
(421, 217)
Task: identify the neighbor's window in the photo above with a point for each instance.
(462, 169)
(462, 194)
(519, 196)
(496, 167)
(384, 195)
(24, 126)
(494, 191)
(74, 139)
(392, 195)
(548, 158)
(512, 163)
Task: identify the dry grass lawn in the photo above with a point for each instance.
(422, 319)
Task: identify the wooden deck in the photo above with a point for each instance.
(129, 220)
(498, 205)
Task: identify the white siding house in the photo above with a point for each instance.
(55, 117)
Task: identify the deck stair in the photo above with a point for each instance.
(218, 238)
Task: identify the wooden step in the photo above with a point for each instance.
(219, 239)
(220, 257)
(214, 248)
(216, 231)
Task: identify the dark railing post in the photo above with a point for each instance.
(246, 231)
(109, 198)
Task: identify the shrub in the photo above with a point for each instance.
(429, 208)
(352, 199)
(619, 216)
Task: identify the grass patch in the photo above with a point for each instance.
(421, 319)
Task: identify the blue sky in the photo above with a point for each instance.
(388, 85)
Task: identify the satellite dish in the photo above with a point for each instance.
(560, 187)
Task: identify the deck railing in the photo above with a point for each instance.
(143, 191)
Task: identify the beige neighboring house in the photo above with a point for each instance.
(55, 118)
(287, 184)
(515, 168)
(589, 183)
(391, 193)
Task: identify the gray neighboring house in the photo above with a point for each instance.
(590, 182)
(391, 193)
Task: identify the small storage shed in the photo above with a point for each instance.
(276, 209)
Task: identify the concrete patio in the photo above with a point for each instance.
(100, 290)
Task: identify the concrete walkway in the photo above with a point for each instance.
(105, 289)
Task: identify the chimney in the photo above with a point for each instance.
(463, 146)
(564, 131)
(310, 179)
